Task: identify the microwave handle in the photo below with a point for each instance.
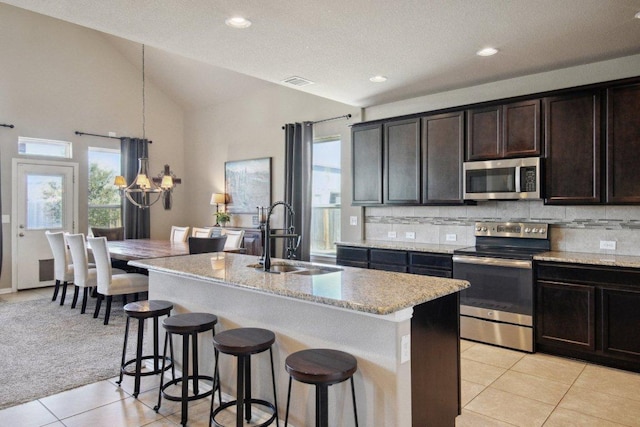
(518, 179)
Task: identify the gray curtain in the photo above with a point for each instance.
(136, 221)
(298, 166)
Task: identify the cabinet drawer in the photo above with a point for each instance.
(347, 263)
(388, 267)
(431, 272)
(346, 253)
(381, 256)
(428, 260)
(623, 278)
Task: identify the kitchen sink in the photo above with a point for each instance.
(314, 271)
(297, 269)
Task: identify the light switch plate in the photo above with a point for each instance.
(410, 235)
(112, 134)
(608, 244)
(391, 234)
(6, 219)
(353, 220)
(405, 349)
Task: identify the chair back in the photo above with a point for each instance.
(179, 234)
(60, 256)
(78, 251)
(234, 239)
(200, 245)
(103, 263)
(201, 232)
(116, 233)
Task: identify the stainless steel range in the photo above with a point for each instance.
(498, 307)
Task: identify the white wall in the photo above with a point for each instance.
(56, 78)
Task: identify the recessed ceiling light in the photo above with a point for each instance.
(378, 79)
(238, 22)
(487, 51)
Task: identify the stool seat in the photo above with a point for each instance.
(149, 308)
(187, 323)
(244, 341)
(321, 366)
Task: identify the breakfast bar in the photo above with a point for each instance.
(402, 329)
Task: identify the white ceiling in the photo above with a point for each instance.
(422, 46)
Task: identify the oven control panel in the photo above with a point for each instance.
(533, 230)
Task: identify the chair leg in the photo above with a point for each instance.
(64, 292)
(56, 288)
(108, 309)
(124, 300)
(85, 294)
(98, 304)
(75, 296)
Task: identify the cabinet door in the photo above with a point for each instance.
(442, 155)
(572, 136)
(352, 257)
(484, 139)
(623, 144)
(402, 162)
(621, 323)
(565, 315)
(521, 129)
(366, 164)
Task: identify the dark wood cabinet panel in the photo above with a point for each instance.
(521, 129)
(402, 162)
(566, 315)
(623, 144)
(253, 241)
(366, 164)
(347, 255)
(442, 156)
(384, 256)
(572, 138)
(484, 139)
(621, 322)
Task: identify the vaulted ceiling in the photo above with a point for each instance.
(421, 46)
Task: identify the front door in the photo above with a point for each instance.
(45, 198)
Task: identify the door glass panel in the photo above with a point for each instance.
(45, 206)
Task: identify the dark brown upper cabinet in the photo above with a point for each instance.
(623, 144)
(366, 164)
(572, 136)
(402, 162)
(504, 131)
(442, 155)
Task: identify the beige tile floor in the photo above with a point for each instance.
(500, 387)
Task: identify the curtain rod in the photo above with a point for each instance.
(7, 126)
(346, 116)
(106, 136)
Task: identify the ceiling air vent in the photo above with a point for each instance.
(297, 81)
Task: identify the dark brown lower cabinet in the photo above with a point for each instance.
(589, 312)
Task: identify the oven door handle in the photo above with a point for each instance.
(498, 262)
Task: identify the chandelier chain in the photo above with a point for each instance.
(143, 98)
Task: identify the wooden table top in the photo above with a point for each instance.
(132, 249)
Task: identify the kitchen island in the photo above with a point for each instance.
(402, 328)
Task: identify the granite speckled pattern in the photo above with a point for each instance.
(370, 291)
(590, 258)
(404, 246)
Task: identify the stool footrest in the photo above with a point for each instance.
(153, 372)
(233, 403)
(189, 378)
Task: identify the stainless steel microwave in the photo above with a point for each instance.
(507, 179)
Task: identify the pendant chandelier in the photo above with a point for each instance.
(148, 190)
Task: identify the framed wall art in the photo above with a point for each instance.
(247, 184)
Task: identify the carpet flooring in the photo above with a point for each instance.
(46, 348)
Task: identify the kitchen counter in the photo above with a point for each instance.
(403, 246)
(386, 320)
(590, 258)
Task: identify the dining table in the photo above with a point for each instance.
(134, 249)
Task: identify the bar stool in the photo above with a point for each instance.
(142, 310)
(322, 368)
(187, 325)
(242, 343)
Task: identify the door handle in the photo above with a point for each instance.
(21, 234)
(21, 226)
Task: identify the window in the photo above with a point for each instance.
(325, 202)
(105, 207)
(43, 147)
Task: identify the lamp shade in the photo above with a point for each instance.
(218, 198)
(167, 182)
(119, 181)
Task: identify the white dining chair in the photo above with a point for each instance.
(234, 239)
(201, 232)
(62, 269)
(110, 284)
(179, 234)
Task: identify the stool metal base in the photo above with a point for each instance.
(156, 361)
(246, 402)
(189, 398)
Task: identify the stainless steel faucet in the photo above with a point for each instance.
(267, 232)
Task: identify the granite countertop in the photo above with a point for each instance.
(590, 258)
(370, 291)
(404, 246)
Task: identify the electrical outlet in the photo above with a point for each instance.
(410, 235)
(6, 219)
(391, 234)
(608, 244)
(353, 220)
(112, 134)
(452, 237)
(405, 349)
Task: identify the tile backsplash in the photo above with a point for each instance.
(573, 228)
